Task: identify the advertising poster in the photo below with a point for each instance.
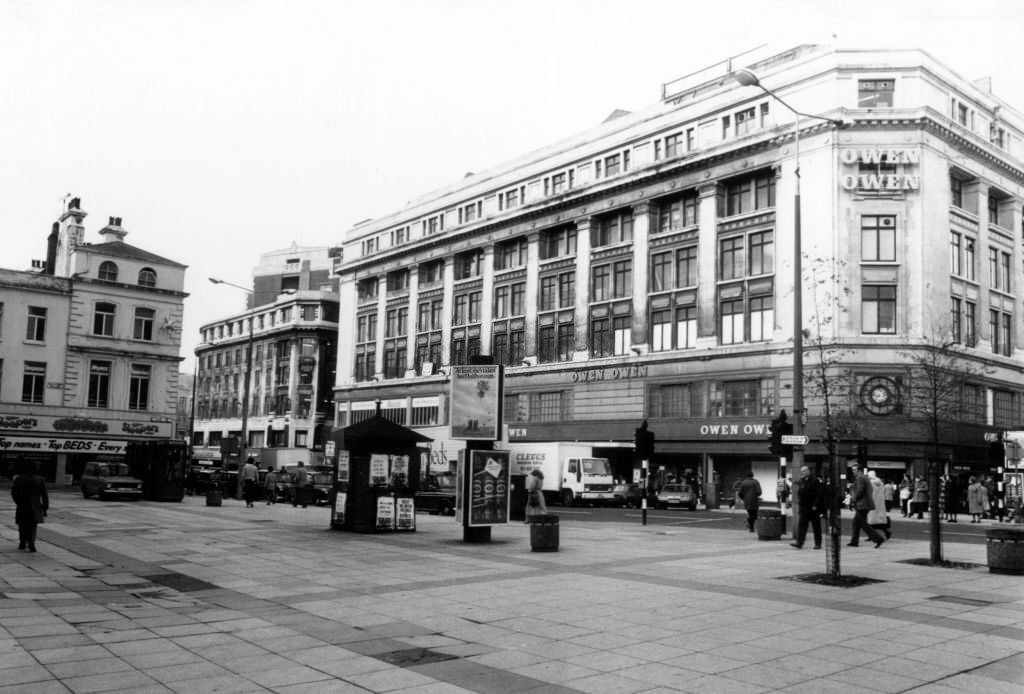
(379, 470)
(405, 514)
(385, 513)
(488, 487)
(399, 470)
(476, 402)
(343, 461)
(339, 508)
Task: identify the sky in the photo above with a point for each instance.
(222, 129)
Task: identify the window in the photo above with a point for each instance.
(661, 330)
(612, 229)
(1005, 408)
(677, 212)
(99, 384)
(510, 254)
(999, 264)
(762, 318)
(732, 322)
(394, 359)
(546, 407)
(511, 198)
(108, 271)
(397, 281)
(741, 399)
(468, 264)
(878, 238)
(730, 258)
(955, 253)
(366, 327)
(558, 183)
(622, 278)
(143, 329)
(508, 343)
(556, 243)
(661, 271)
(969, 258)
(366, 289)
(396, 320)
(746, 121)
(875, 93)
(147, 277)
(470, 212)
(36, 327)
(33, 382)
(1000, 327)
(429, 317)
(433, 225)
(878, 309)
(431, 272)
(600, 279)
(103, 319)
(760, 254)
(669, 146)
(556, 339)
(971, 404)
(369, 246)
(956, 192)
(747, 194)
(675, 400)
(970, 330)
(993, 209)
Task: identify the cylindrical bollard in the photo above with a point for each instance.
(544, 533)
(214, 496)
(1005, 550)
(770, 524)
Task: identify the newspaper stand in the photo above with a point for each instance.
(376, 476)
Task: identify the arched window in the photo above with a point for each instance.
(147, 277)
(108, 271)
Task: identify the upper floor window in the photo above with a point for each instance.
(557, 291)
(108, 271)
(370, 246)
(143, 327)
(677, 212)
(398, 281)
(35, 330)
(556, 243)
(510, 254)
(366, 289)
(471, 212)
(103, 319)
(399, 236)
(612, 165)
(468, 264)
(511, 198)
(956, 192)
(33, 382)
(878, 309)
(431, 272)
(747, 193)
(878, 237)
(558, 183)
(612, 229)
(875, 93)
(669, 146)
(147, 277)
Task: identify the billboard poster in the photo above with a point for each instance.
(379, 470)
(405, 514)
(476, 402)
(488, 487)
(339, 508)
(343, 461)
(385, 513)
(399, 470)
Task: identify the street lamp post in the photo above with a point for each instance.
(748, 78)
(244, 444)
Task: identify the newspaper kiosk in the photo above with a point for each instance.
(376, 475)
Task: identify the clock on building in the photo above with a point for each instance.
(880, 395)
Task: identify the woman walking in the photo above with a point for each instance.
(920, 502)
(31, 500)
(977, 500)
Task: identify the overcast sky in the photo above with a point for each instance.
(222, 129)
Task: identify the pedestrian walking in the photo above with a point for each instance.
(977, 500)
(810, 496)
(31, 503)
(906, 494)
(954, 492)
(270, 486)
(250, 481)
(750, 494)
(535, 505)
(862, 501)
(890, 495)
(191, 480)
(878, 518)
(300, 480)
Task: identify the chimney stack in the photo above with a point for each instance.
(113, 231)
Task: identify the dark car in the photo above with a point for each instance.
(437, 495)
(107, 480)
(317, 490)
(676, 496)
(628, 495)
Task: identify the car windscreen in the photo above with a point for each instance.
(596, 466)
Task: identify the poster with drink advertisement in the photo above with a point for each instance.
(343, 463)
(488, 494)
(405, 514)
(475, 402)
(385, 513)
(379, 469)
(339, 508)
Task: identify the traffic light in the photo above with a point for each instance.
(862, 455)
(779, 428)
(643, 442)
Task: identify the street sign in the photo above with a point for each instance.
(795, 440)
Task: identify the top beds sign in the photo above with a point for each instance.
(880, 169)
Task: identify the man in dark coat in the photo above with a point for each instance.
(811, 500)
(750, 494)
(31, 500)
(862, 501)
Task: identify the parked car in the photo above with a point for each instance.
(437, 495)
(676, 496)
(628, 495)
(317, 491)
(107, 480)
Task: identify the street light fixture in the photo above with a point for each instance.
(244, 445)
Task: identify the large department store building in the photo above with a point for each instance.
(644, 270)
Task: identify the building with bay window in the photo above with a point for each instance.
(644, 269)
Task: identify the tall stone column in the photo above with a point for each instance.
(345, 373)
(531, 297)
(410, 327)
(446, 315)
(641, 270)
(581, 318)
(382, 314)
(487, 300)
(707, 264)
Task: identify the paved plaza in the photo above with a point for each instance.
(149, 597)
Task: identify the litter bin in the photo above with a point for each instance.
(214, 495)
(1005, 550)
(544, 533)
(770, 524)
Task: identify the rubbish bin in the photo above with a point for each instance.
(214, 495)
(1005, 550)
(770, 524)
(544, 533)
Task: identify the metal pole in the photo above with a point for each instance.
(798, 305)
(643, 485)
(244, 447)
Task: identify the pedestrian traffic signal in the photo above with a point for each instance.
(643, 442)
(779, 428)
